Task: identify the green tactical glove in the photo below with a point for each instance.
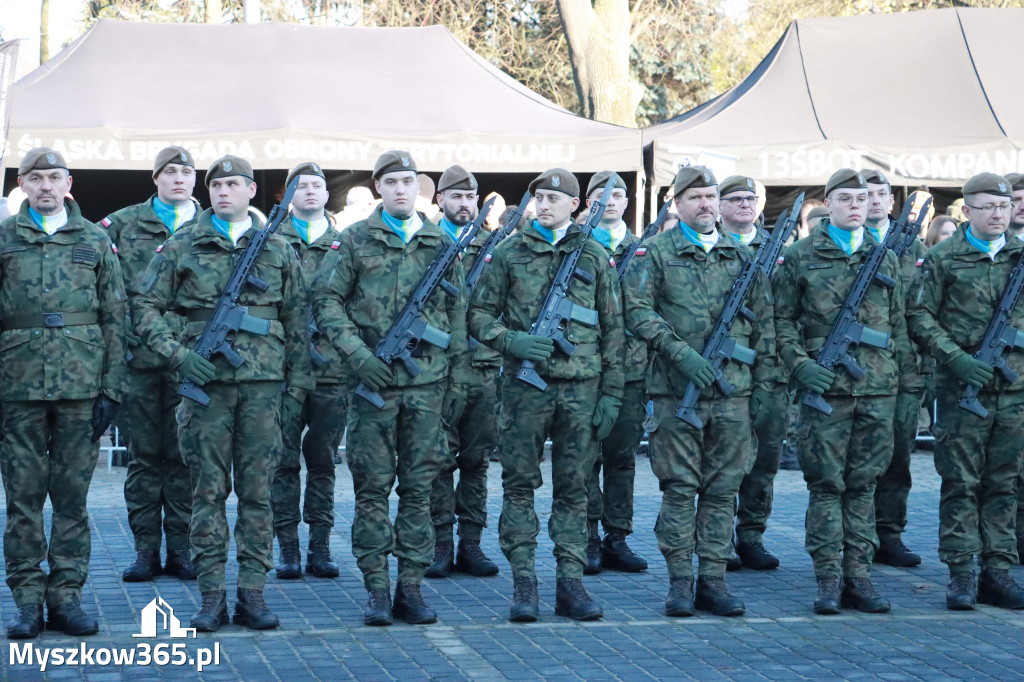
(130, 337)
(371, 370)
(693, 366)
(605, 415)
(971, 371)
(291, 409)
(453, 406)
(908, 407)
(527, 347)
(195, 368)
(813, 376)
(103, 411)
(761, 403)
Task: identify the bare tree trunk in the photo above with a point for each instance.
(44, 31)
(214, 11)
(599, 44)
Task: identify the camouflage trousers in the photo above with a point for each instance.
(842, 456)
(894, 485)
(404, 440)
(236, 438)
(46, 453)
(526, 418)
(979, 461)
(324, 412)
(617, 458)
(757, 490)
(709, 463)
(470, 443)
(158, 488)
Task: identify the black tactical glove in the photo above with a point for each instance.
(103, 411)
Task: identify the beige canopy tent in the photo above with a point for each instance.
(278, 94)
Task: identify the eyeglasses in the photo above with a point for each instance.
(1005, 207)
(739, 201)
(848, 199)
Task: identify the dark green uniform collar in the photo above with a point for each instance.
(962, 249)
(726, 247)
(379, 229)
(204, 231)
(28, 230)
(826, 247)
(536, 242)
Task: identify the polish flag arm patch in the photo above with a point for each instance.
(113, 247)
(611, 261)
(336, 245)
(641, 251)
(160, 248)
(487, 258)
(920, 262)
(106, 222)
(782, 259)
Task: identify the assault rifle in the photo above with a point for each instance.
(493, 240)
(846, 331)
(228, 317)
(649, 231)
(402, 342)
(1000, 338)
(558, 310)
(720, 347)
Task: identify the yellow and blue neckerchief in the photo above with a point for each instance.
(610, 238)
(848, 240)
(705, 241)
(310, 230)
(551, 236)
(232, 231)
(49, 223)
(406, 229)
(745, 239)
(173, 217)
(879, 233)
(991, 248)
(451, 229)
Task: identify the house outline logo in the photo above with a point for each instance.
(151, 615)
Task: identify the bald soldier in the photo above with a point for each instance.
(62, 376)
(470, 438)
(158, 488)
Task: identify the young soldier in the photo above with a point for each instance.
(960, 285)
(62, 376)
(738, 207)
(360, 289)
(308, 230)
(237, 437)
(584, 390)
(843, 454)
(1016, 229)
(617, 452)
(675, 291)
(472, 438)
(158, 482)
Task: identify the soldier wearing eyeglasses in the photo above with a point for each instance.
(843, 454)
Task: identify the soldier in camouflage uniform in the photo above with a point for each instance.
(582, 399)
(617, 452)
(308, 230)
(237, 437)
(62, 375)
(1016, 229)
(843, 454)
(470, 440)
(158, 482)
(361, 287)
(894, 485)
(675, 290)
(738, 206)
(957, 290)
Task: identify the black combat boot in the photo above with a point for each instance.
(524, 600)
(213, 613)
(616, 555)
(593, 565)
(679, 603)
(892, 552)
(27, 623)
(70, 619)
(410, 606)
(145, 568)
(378, 607)
(826, 603)
(572, 600)
(713, 595)
(997, 588)
(755, 556)
(734, 563)
(319, 563)
(472, 560)
(859, 594)
(290, 567)
(251, 611)
(179, 565)
(961, 591)
(444, 560)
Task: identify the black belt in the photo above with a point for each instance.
(264, 312)
(48, 320)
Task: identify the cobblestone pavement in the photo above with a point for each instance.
(322, 636)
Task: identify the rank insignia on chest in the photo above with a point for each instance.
(106, 222)
(336, 245)
(920, 262)
(642, 251)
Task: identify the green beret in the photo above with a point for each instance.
(601, 179)
(988, 183)
(876, 177)
(42, 158)
(845, 178)
(736, 183)
(307, 168)
(174, 154)
(456, 177)
(1016, 180)
(392, 161)
(557, 179)
(227, 166)
(817, 212)
(692, 176)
